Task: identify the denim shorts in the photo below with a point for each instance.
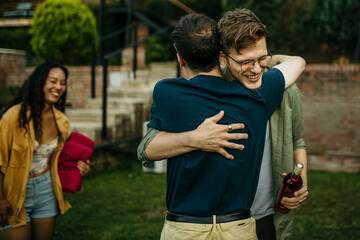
(40, 198)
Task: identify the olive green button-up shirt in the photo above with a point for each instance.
(286, 130)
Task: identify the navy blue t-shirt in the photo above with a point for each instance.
(203, 183)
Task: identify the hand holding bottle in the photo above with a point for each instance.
(295, 201)
(292, 192)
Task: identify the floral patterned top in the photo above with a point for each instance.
(42, 155)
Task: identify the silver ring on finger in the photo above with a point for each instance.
(229, 128)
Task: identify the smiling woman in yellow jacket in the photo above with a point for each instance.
(33, 130)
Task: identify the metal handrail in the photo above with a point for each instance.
(118, 51)
(104, 59)
(105, 66)
(182, 6)
(93, 52)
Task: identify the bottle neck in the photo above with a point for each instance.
(297, 171)
(294, 177)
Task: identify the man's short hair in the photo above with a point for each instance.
(196, 40)
(239, 29)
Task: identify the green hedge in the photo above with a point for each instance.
(15, 38)
(7, 94)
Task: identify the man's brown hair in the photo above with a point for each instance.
(239, 29)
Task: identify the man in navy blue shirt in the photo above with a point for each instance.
(208, 195)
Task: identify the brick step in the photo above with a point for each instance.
(93, 130)
(157, 76)
(89, 129)
(159, 73)
(128, 104)
(154, 71)
(162, 66)
(119, 80)
(114, 116)
(144, 93)
(133, 84)
(138, 107)
(116, 103)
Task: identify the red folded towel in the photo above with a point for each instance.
(77, 147)
(81, 139)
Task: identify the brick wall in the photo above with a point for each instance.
(331, 115)
(12, 67)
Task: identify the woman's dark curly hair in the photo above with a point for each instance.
(31, 95)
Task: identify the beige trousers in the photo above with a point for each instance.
(236, 230)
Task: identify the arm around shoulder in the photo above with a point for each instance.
(297, 124)
(208, 136)
(7, 128)
(159, 145)
(166, 145)
(290, 66)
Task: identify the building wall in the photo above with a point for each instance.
(331, 106)
(331, 116)
(12, 67)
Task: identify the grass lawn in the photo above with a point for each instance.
(126, 203)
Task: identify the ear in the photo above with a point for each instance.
(180, 60)
(222, 59)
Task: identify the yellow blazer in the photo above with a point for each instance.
(16, 153)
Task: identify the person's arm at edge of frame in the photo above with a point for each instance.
(209, 137)
(5, 207)
(290, 66)
(299, 152)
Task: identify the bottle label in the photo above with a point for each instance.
(288, 192)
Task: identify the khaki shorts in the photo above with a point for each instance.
(237, 230)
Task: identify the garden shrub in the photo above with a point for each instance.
(63, 30)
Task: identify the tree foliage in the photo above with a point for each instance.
(159, 49)
(337, 22)
(63, 30)
(287, 21)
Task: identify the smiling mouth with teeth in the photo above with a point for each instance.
(253, 77)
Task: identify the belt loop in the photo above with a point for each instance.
(214, 220)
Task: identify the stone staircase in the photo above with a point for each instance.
(128, 104)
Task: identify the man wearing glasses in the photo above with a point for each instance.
(284, 145)
(207, 194)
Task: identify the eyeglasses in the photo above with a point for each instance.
(249, 64)
(175, 48)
